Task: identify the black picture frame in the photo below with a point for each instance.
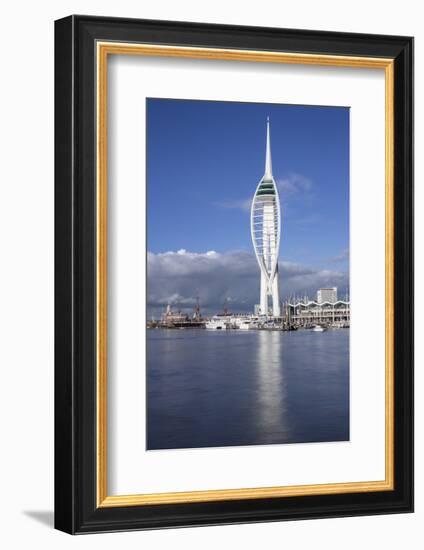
(76, 508)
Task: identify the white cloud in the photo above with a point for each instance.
(179, 277)
(239, 204)
(344, 255)
(294, 183)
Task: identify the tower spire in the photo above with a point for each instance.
(268, 161)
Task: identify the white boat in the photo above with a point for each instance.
(217, 323)
(318, 328)
(245, 325)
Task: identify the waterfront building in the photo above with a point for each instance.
(265, 226)
(327, 295)
(335, 314)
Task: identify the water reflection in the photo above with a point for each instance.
(270, 413)
(213, 389)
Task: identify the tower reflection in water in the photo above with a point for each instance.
(271, 412)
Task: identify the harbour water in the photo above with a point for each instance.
(227, 388)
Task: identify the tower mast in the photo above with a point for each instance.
(268, 160)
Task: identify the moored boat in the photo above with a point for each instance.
(319, 328)
(217, 323)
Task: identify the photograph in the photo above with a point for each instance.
(248, 304)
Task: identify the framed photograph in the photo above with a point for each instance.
(234, 274)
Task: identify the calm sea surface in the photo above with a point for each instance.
(219, 388)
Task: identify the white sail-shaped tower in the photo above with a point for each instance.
(265, 225)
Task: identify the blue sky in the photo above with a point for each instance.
(205, 158)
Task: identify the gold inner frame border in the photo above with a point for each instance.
(103, 50)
